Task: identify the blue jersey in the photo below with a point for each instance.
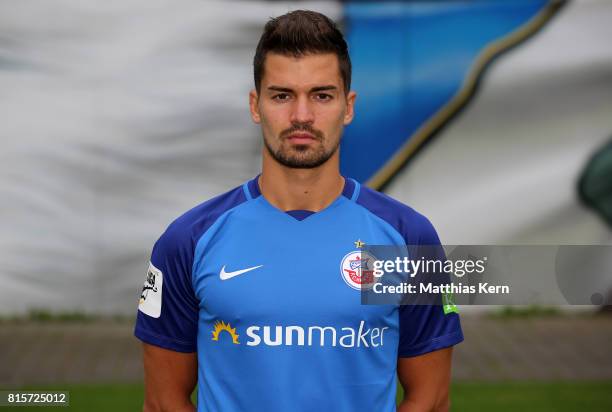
(268, 301)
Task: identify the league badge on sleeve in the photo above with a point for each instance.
(151, 295)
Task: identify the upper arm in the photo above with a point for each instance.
(170, 378)
(167, 324)
(168, 308)
(427, 333)
(432, 326)
(426, 379)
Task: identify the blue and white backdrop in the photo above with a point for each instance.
(118, 116)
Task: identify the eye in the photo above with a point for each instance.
(281, 97)
(323, 97)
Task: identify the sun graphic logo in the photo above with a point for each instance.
(221, 326)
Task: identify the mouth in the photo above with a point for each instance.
(301, 138)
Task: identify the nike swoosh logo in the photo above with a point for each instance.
(228, 275)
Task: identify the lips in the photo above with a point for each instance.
(301, 138)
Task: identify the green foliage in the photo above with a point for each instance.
(465, 396)
(532, 396)
(46, 316)
(93, 398)
(531, 311)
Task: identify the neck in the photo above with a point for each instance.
(301, 189)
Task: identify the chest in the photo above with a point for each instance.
(270, 271)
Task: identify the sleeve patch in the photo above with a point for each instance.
(448, 304)
(151, 296)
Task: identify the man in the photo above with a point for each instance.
(251, 295)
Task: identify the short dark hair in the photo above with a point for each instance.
(299, 33)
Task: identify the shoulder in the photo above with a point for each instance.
(188, 227)
(415, 227)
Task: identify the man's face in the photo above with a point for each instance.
(302, 108)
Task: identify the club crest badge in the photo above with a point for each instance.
(356, 270)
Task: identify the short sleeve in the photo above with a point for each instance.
(168, 308)
(426, 328)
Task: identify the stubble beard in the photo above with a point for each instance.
(301, 156)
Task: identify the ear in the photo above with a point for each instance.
(350, 107)
(253, 106)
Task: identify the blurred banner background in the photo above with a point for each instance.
(119, 116)
(491, 117)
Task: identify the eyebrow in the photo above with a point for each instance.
(313, 90)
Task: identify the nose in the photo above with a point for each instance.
(302, 110)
